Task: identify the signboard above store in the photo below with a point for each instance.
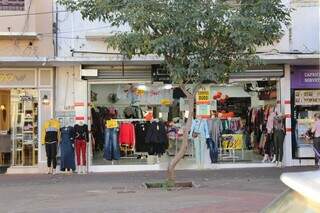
(307, 97)
(305, 77)
(18, 78)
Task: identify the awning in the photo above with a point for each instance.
(119, 73)
(269, 72)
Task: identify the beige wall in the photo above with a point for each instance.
(22, 25)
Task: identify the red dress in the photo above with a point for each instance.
(127, 134)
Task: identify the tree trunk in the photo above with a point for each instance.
(171, 177)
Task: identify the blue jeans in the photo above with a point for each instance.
(213, 150)
(111, 145)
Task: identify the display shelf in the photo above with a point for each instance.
(25, 141)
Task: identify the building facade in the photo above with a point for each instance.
(86, 74)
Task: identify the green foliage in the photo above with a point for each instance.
(198, 39)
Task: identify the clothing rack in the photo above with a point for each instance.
(130, 119)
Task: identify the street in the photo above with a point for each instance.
(230, 190)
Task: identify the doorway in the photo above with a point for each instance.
(5, 132)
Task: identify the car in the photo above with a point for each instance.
(302, 196)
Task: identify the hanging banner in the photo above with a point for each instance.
(203, 97)
(203, 110)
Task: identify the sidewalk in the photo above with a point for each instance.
(230, 190)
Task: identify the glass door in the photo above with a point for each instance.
(24, 104)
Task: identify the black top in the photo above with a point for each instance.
(81, 132)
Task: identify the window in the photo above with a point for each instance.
(11, 4)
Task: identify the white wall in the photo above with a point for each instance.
(71, 91)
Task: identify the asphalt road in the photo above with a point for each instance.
(230, 190)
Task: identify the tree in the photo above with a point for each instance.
(197, 39)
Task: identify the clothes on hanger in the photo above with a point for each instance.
(127, 134)
(157, 138)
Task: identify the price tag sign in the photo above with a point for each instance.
(203, 97)
(165, 102)
(111, 124)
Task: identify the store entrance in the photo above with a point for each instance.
(19, 127)
(5, 140)
(246, 112)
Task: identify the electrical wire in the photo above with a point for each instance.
(26, 22)
(32, 14)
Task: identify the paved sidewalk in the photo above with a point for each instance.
(232, 190)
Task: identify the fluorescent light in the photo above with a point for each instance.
(168, 86)
(142, 87)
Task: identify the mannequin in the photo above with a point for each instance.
(199, 133)
(278, 137)
(49, 138)
(81, 140)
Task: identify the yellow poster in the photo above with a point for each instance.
(232, 141)
(203, 96)
(111, 124)
(165, 102)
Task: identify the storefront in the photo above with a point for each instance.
(305, 103)
(238, 114)
(26, 98)
(125, 103)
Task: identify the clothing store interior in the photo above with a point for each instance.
(143, 124)
(18, 127)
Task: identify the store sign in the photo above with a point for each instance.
(305, 77)
(307, 97)
(18, 77)
(203, 96)
(26, 98)
(203, 110)
(110, 124)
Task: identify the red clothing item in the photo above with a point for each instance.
(81, 147)
(127, 134)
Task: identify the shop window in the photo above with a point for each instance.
(13, 5)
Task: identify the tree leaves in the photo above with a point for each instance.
(199, 39)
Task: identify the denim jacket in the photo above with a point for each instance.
(201, 127)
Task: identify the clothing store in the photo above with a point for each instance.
(240, 122)
(305, 96)
(25, 103)
(134, 118)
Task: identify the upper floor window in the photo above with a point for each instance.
(11, 4)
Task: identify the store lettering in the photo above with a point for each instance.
(8, 77)
(312, 77)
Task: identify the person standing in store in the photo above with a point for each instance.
(316, 139)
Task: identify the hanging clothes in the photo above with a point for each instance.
(66, 147)
(215, 129)
(157, 138)
(127, 134)
(111, 145)
(141, 130)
